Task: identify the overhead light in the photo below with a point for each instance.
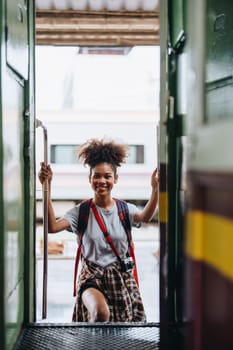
(104, 50)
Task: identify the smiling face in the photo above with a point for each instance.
(102, 179)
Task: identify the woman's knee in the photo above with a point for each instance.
(96, 305)
(100, 313)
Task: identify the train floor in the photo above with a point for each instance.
(83, 336)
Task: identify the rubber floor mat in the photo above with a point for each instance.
(89, 337)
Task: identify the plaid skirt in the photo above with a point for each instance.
(119, 288)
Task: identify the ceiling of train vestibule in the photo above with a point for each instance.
(97, 22)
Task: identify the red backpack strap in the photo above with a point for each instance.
(123, 212)
(82, 224)
(77, 258)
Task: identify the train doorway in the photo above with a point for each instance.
(96, 92)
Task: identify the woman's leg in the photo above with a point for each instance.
(96, 304)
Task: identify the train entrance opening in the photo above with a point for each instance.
(85, 93)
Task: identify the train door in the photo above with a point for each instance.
(16, 172)
(89, 125)
(171, 197)
(209, 215)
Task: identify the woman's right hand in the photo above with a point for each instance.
(45, 173)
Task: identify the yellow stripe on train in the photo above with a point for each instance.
(163, 207)
(209, 238)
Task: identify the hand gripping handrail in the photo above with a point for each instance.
(38, 123)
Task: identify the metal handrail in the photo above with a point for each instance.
(45, 223)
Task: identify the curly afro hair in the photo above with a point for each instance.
(95, 151)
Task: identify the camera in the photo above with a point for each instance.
(127, 264)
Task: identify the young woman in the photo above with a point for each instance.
(105, 290)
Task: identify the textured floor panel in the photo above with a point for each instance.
(89, 337)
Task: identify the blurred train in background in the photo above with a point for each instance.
(70, 180)
(100, 92)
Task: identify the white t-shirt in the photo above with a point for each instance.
(95, 247)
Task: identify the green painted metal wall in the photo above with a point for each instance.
(175, 130)
(172, 39)
(17, 172)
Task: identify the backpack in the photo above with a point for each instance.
(123, 213)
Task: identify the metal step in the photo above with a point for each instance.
(89, 336)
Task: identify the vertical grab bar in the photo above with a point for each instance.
(45, 223)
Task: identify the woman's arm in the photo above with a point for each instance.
(54, 225)
(148, 212)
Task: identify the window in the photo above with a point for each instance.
(67, 154)
(136, 154)
(64, 154)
